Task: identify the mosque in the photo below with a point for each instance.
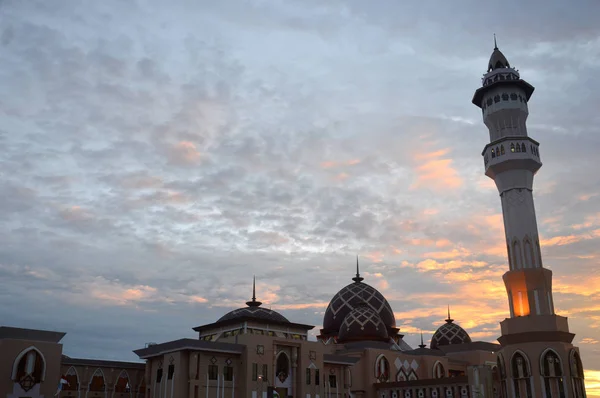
(256, 352)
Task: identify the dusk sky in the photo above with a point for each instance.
(155, 155)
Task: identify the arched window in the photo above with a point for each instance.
(497, 151)
(576, 374)
(523, 148)
(97, 381)
(496, 97)
(29, 368)
(512, 146)
(502, 149)
(551, 371)
(382, 369)
(513, 96)
(528, 252)
(438, 370)
(72, 380)
(493, 153)
(501, 370)
(518, 147)
(283, 366)
(521, 375)
(504, 97)
(517, 254)
(122, 384)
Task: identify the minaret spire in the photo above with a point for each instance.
(357, 278)
(253, 302)
(495, 44)
(449, 320)
(422, 345)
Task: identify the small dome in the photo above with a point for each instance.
(350, 297)
(255, 311)
(497, 61)
(449, 333)
(362, 324)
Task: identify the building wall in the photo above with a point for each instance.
(11, 350)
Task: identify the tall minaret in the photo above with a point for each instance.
(537, 358)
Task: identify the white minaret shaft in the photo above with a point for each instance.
(511, 158)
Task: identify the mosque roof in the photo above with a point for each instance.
(362, 324)
(350, 297)
(448, 334)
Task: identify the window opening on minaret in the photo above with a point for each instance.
(523, 148)
(502, 149)
(512, 147)
(521, 375)
(497, 151)
(518, 147)
(576, 374)
(493, 153)
(501, 369)
(496, 98)
(551, 371)
(504, 97)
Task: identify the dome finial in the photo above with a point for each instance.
(449, 320)
(253, 302)
(357, 278)
(495, 44)
(422, 345)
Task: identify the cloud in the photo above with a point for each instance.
(155, 157)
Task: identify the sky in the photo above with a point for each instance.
(154, 156)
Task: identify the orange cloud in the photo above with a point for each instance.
(454, 253)
(184, 153)
(561, 240)
(435, 173)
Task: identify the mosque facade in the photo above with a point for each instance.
(255, 352)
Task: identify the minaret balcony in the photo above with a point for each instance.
(510, 153)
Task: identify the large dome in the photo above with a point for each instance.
(350, 297)
(362, 324)
(254, 311)
(449, 333)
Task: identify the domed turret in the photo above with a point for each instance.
(449, 333)
(497, 60)
(362, 324)
(350, 297)
(254, 310)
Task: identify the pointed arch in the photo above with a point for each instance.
(122, 385)
(412, 376)
(517, 258)
(521, 374)
(501, 370)
(36, 364)
(551, 370)
(282, 366)
(438, 371)
(512, 147)
(518, 147)
(528, 253)
(502, 149)
(382, 369)
(72, 378)
(97, 381)
(523, 148)
(577, 377)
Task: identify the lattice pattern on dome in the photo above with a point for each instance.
(361, 317)
(254, 312)
(449, 333)
(350, 297)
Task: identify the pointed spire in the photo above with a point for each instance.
(449, 320)
(253, 302)
(357, 278)
(422, 345)
(495, 44)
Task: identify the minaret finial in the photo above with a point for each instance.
(449, 320)
(495, 44)
(357, 278)
(253, 302)
(421, 345)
